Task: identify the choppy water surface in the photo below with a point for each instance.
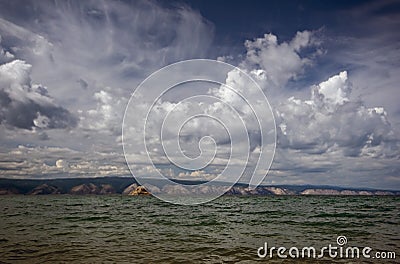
(123, 229)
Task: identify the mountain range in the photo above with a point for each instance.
(129, 186)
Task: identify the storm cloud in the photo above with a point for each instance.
(27, 105)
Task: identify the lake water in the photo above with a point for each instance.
(125, 229)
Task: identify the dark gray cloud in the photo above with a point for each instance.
(26, 105)
(30, 114)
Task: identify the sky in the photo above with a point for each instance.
(330, 71)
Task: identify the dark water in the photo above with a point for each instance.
(123, 229)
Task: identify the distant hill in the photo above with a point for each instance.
(125, 185)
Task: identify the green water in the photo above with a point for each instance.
(123, 229)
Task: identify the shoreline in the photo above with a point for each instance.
(128, 186)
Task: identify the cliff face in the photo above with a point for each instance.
(44, 189)
(280, 191)
(90, 188)
(344, 192)
(320, 192)
(8, 191)
(107, 189)
(129, 189)
(248, 191)
(84, 189)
